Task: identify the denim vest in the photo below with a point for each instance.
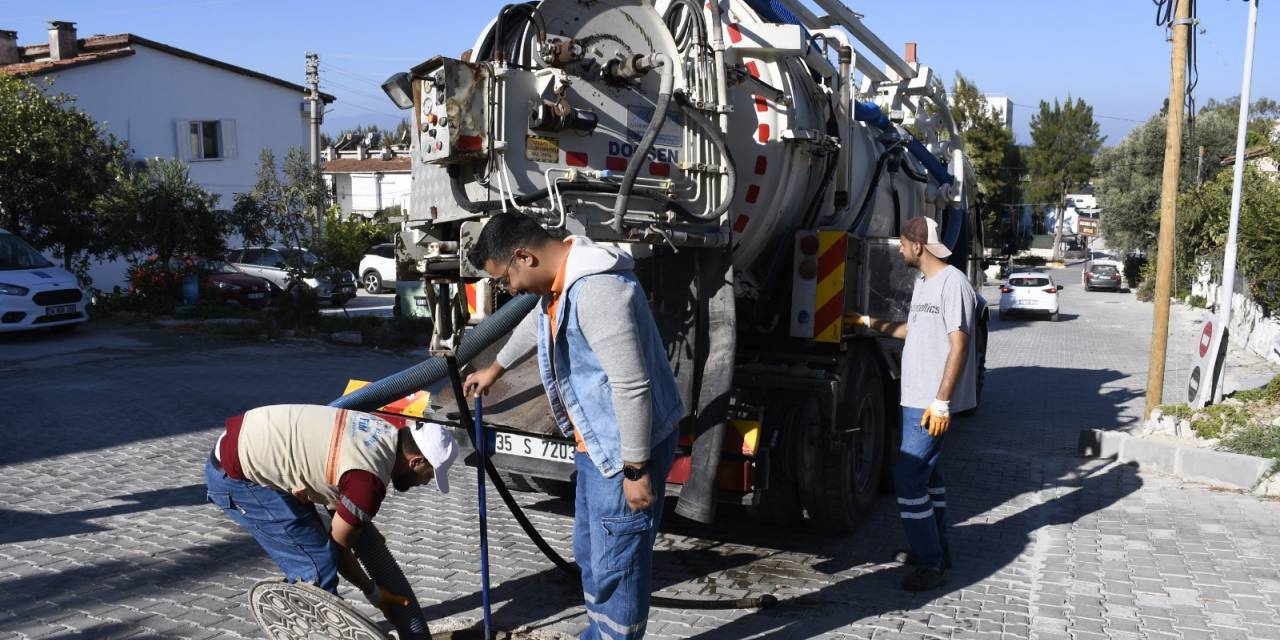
(579, 390)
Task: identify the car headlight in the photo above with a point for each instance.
(7, 289)
(227, 286)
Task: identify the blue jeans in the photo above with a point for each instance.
(288, 530)
(922, 496)
(614, 546)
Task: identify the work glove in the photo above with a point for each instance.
(855, 319)
(937, 418)
(383, 600)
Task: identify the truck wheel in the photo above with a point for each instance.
(842, 464)
(779, 503)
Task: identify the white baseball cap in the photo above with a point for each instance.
(438, 446)
(922, 230)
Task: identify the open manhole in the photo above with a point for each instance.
(302, 611)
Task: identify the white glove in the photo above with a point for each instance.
(940, 408)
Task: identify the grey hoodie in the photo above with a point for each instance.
(603, 312)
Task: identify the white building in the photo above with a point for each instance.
(1002, 108)
(167, 102)
(366, 180)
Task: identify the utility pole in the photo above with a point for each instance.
(1168, 205)
(313, 96)
(1237, 188)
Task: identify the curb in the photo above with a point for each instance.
(1234, 470)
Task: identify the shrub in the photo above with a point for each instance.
(1255, 440)
(1269, 393)
(1198, 302)
(1178, 411)
(1030, 261)
(1219, 419)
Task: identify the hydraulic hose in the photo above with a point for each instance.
(483, 206)
(871, 114)
(464, 415)
(717, 138)
(666, 69)
(425, 374)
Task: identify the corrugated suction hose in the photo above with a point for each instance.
(372, 549)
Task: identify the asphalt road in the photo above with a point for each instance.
(105, 532)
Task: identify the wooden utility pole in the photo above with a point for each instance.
(1168, 205)
(313, 96)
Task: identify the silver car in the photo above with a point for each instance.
(294, 271)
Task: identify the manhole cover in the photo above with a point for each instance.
(303, 611)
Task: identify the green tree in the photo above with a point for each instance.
(282, 209)
(55, 163)
(158, 210)
(1130, 173)
(1065, 140)
(347, 239)
(990, 148)
(1203, 217)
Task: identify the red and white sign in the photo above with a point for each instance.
(1206, 338)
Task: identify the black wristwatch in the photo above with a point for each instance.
(635, 473)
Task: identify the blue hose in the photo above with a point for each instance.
(871, 114)
(425, 374)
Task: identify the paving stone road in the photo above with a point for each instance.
(104, 531)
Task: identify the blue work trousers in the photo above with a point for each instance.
(614, 546)
(288, 530)
(922, 496)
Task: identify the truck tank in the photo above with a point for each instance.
(723, 144)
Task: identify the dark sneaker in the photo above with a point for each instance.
(924, 579)
(908, 557)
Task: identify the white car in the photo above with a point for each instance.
(378, 268)
(1030, 292)
(34, 293)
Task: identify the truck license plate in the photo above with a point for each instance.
(531, 446)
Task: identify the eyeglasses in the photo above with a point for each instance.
(502, 279)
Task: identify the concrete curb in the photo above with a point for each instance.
(1220, 468)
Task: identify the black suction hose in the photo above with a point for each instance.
(423, 375)
(569, 569)
(371, 549)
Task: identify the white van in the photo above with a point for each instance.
(34, 293)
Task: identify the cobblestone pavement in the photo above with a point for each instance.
(104, 531)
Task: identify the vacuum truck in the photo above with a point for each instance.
(757, 160)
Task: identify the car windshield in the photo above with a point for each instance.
(1028, 282)
(1105, 270)
(300, 257)
(218, 266)
(16, 254)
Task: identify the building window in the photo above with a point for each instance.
(206, 139)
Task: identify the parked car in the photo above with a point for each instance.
(33, 292)
(378, 268)
(295, 270)
(1103, 274)
(1030, 292)
(232, 285)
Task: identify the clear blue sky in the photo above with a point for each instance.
(1108, 52)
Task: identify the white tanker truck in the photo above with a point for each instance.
(757, 166)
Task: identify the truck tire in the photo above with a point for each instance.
(842, 464)
(779, 503)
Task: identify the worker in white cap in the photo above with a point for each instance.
(938, 378)
(273, 463)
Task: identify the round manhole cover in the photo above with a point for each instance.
(303, 611)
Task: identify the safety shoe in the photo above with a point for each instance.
(924, 579)
(908, 557)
